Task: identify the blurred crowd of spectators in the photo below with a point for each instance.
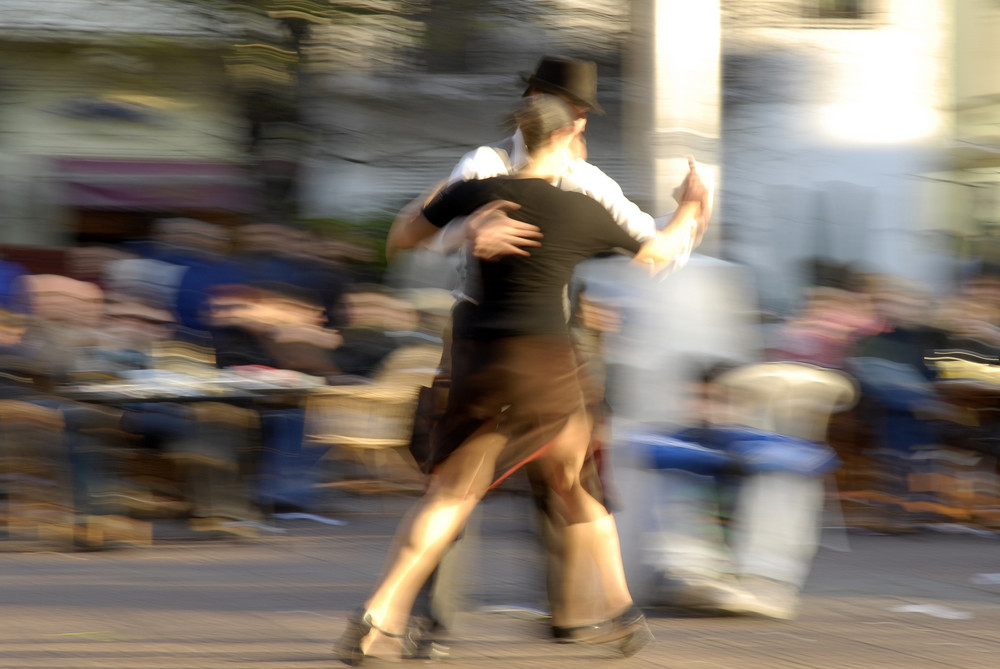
(271, 301)
(921, 445)
(279, 303)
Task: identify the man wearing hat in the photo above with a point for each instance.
(573, 80)
(491, 234)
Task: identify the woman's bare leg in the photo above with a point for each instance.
(456, 487)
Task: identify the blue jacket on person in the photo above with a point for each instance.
(728, 449)
(13, 293)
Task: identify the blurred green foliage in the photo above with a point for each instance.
(363, 238)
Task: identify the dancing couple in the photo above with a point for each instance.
(516, 395)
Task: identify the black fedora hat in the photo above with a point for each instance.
(575, 80)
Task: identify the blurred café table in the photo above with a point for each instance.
(971, 385)
(238, 385)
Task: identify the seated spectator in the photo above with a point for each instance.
(206, 442)
(901, 403)
(65, 320)
(182, 261)
(35, 485)
(272, 325)
(281, 327)
(270, 253)
(830, 321)
(188, 437)
(378, 322)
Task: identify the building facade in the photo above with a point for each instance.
(861, 131)
(835, 114)
(114, 114)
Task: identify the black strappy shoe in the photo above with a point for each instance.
(574, 634)
(425, 639)
(359, 625)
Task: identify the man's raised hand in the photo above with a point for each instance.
(695, 189)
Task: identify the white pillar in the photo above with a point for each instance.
(671, 94)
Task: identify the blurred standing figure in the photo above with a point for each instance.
(516, 395)
(489, 234)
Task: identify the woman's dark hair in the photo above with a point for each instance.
(539, 116)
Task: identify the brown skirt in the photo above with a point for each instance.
(525, 387)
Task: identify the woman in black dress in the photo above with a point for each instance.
(515, 394)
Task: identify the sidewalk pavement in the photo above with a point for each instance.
(920, 601)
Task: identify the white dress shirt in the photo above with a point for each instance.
(580, 177)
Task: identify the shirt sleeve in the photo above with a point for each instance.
(456, 200)
(482, 163)
(582, 177)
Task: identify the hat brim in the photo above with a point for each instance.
(546, 87)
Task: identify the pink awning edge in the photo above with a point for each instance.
(153, 185)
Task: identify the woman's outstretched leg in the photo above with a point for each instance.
(421, 539)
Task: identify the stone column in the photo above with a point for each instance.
(671, 96)
(671, 109)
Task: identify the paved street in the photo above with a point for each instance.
(914, 602)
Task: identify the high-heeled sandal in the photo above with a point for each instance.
(359, 625)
